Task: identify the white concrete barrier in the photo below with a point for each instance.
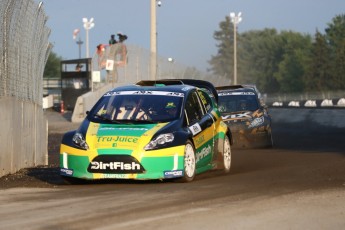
(326, 102)
(341, 102)
(294, 104)
(310, 103)
(277, 104)
(48, 102)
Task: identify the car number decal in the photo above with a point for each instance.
(195, 129)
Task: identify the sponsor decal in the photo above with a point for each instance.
(195, 129)
(66, 172)
(144, 92)
(116, 139)
(202, 97)
(172, 174)
(114, 176)
(109, 94)
(186, 88)
(245, 115)
(256, 122)
(237, 116)
(114, 166)
(203, 153)
(235, 93)
(124, 129)
(175, 94)
(200, 140)
(223, 125)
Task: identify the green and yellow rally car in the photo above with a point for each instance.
(151, 130)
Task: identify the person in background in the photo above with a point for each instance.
(121, 51)
(117, 57)
(112, 40)
(78, 67)
(101, 56)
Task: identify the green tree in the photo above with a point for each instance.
(292, 66)
(318, 74)
(335, 36)
(283, 62)
(260, 55)
(52, 68)
(221, 63)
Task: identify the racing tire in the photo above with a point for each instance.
(226, 155)
(189, 170)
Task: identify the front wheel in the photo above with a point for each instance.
(189, 163)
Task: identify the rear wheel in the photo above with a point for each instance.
(189, 163)
(226, 155)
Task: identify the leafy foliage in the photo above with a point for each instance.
(283, 61)
(52, 68)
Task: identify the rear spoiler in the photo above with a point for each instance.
(230, 87)
(197, 83)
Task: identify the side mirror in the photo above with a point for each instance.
(209, 121)
(206, 121)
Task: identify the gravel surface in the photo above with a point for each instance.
(297, 184)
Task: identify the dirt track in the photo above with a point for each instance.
(299, 184)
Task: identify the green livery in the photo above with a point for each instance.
(148, 132)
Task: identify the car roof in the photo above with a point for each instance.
(206, 85)
(173, 88)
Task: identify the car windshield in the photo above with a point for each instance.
(137, 107)
(232, 102)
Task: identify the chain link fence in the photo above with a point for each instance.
(138, 68)
(24, 49)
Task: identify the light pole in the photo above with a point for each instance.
(153, 60)
(88, 25)
(235, 19)
(79, 43)
(171, 60)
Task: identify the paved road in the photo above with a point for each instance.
(298, 184)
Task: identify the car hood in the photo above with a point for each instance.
(121, 136)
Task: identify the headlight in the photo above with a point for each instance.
(79, 140)
(160, 140)
(257, 122)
